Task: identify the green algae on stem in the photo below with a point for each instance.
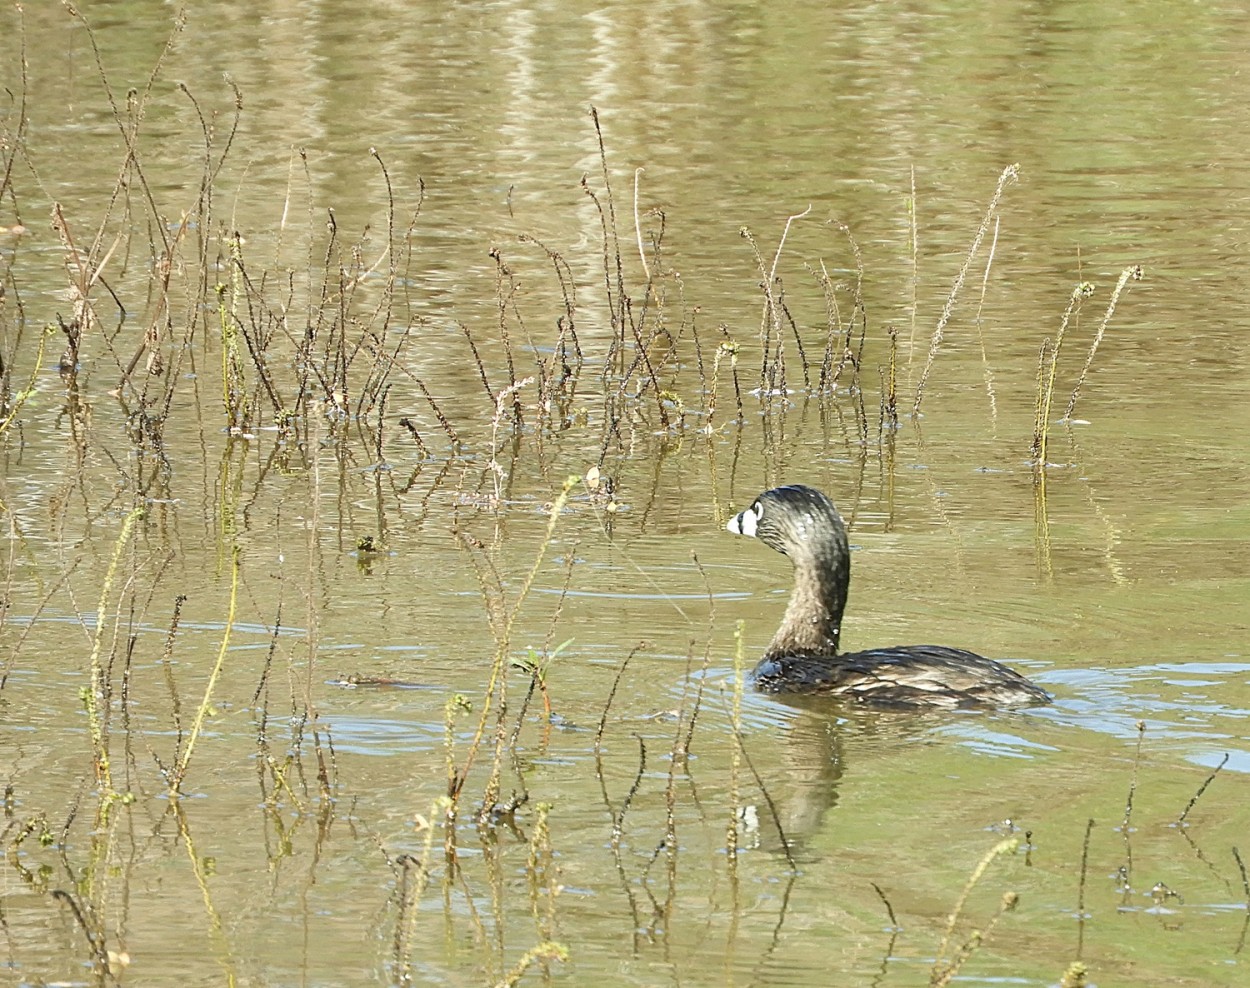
(21, 397)
(943, 971)
(202, 712)
(97, 693)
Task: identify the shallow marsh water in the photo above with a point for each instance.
(1121, 585)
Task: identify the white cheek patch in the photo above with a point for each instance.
(746, 522)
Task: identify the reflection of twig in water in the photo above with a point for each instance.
(895, 929)
(661, 914)
(1245, 882)
(681, 749)
(768, 799)
(1080, 890)
(1126, 870)
(1041, 523)
(775, 940)
(453, 876)
(615, 844)
(200, 868)
(731, 830)
(94, 940)
(1201, 856)
(497, 928)
(406, 895)
(618, 820)
(1245, 885)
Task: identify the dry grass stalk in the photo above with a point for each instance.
(985, 360)
(1010, 174)
(1131, 273)
(1046, 388)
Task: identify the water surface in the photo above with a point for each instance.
(1116, 577)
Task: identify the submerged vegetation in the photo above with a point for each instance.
(200, 370)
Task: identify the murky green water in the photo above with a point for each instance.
(298, 852)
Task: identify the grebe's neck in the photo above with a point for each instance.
(813, 620)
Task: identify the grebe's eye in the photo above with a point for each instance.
(746, 522)
(750, 519)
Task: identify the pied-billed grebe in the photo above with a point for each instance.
(803, 656)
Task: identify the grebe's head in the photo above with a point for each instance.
(795, 520)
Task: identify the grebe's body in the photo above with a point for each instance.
(803, 656)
